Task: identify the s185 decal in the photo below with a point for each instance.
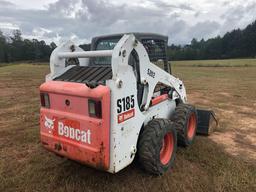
(125, 103)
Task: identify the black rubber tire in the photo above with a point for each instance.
(150, 144)
(180, 119)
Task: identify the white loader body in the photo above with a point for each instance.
(127, 117)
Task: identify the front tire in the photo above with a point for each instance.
(185, 122)
(157, 146)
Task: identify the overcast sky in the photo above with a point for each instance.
(79, 20)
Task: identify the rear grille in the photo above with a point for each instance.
(86, 74)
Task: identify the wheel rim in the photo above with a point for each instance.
(191, 126)
(167, 148)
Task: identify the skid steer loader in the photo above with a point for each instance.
(102, 107)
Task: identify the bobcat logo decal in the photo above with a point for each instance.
(49, 123)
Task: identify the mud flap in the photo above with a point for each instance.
(207, 122)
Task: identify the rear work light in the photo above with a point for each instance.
(45, 100)
(94, 108)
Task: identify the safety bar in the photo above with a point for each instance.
(85, 54)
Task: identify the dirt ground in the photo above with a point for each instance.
(224, 161)
(231, 93)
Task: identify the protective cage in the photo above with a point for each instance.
(155, 45)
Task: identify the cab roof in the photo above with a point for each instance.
(138, 36)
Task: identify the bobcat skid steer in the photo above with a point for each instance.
(102, 107)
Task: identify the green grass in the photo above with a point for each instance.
(217, 63)
(206, 166)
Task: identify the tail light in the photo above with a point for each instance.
(94, 108)
(45, 100)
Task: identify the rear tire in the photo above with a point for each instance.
(157, 146)
(185, 122)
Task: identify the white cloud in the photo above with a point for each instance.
(32, 4)
(10, 26)
(181, 20)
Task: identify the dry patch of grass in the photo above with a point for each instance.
(231, 93)
(207, 166)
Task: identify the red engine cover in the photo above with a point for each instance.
(68, 130)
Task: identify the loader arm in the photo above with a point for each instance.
(150, 74)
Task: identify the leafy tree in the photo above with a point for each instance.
(15, 48)
(2, 47)
(235, 44)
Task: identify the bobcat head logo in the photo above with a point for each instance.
(49, 123)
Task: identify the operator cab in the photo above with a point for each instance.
(155, 45)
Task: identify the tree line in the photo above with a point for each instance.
(235, 44)
(15, 48)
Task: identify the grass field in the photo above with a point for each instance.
(218, 63)
(225, 161)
